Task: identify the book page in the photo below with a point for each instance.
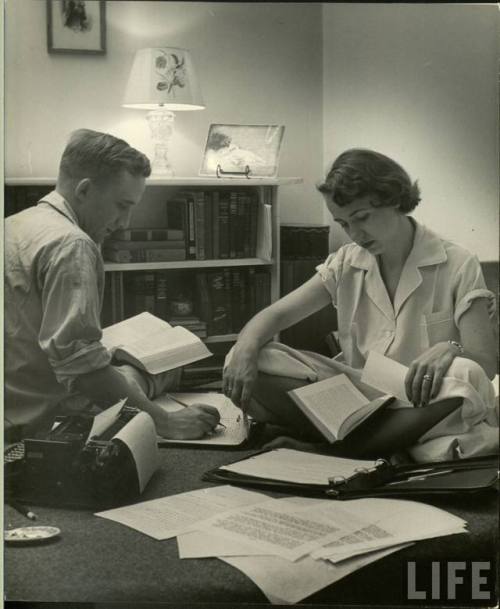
(236, 424)
(386, 375)
(155, 343)
(287, 465)
(329, 403)
(133, 329)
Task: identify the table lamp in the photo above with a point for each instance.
(162, 80)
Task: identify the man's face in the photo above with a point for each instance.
(106, 207)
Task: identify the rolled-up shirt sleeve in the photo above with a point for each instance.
(469, 285)
(70, 331)
(330, 271)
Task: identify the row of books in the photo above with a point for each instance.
(167, 250)
(216, 301)
(217, 224)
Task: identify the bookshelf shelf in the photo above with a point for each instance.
(185, 264)
(245, 261)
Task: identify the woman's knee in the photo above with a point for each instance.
(468, 370)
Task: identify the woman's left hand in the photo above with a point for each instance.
(426, 372)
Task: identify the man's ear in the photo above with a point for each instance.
(82, 189)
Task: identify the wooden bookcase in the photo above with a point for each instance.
(152, 213)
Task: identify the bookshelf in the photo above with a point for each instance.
(262, 194)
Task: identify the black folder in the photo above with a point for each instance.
(385, 480)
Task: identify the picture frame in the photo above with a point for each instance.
(76, 26)
(249, 150)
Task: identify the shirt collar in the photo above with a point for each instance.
(427, 249)
(59, 203)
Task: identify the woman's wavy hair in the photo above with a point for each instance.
(358, 172)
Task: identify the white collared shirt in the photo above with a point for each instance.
(54, 280)
(438, 283)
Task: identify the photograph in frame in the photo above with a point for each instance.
(76, 26)
(234, 148)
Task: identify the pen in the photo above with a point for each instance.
(175, 399)
(25, 511)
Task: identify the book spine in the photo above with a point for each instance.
(141, 292)
(251, 296)
(253, 213)
(203, 305)
(161, 296)
(191, 241)
(209, 245)
(246, 226)
(228, 299)
(215, 225)
(235, 299)
(199, 222)
(145, 255)
(233, 224)
(224, 225)
(218, 324)
(112, 244)
(150, 234)
(240, 226)
(262, 290)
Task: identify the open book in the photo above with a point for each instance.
(235, 427)
(335, 406)
(153, 344)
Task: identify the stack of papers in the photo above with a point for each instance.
(289, 547)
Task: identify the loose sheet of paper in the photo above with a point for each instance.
(297, 466)
(392, 522)
(236, 425)
(169, 516)
(139, 435)
(105, 418)
(283, 528)
(197, 544)
(285, 582)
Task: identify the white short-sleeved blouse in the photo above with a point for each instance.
(437, 285)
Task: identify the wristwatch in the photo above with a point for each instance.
(456, 344)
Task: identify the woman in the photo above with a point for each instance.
(400, 290)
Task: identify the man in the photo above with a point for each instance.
(54, 280)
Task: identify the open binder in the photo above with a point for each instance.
(384, 479)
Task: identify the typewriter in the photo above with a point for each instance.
(85, 462)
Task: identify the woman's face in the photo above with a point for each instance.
(373, 228)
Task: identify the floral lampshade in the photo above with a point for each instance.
(163, 77)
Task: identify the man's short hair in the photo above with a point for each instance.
(100, 156)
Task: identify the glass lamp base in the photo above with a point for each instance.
(161, 123)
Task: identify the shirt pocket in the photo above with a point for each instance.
(438, 327)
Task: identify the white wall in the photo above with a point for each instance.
(419, 83)
(257, 63)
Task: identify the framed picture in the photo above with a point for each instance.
(251, 150)
(76, 26)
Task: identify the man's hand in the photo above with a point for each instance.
(190, 423)
(240, 376)
(426, 372)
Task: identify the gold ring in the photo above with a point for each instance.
(427, 377)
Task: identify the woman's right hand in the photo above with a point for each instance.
(240, 375)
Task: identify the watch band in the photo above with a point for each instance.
(456, 344)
